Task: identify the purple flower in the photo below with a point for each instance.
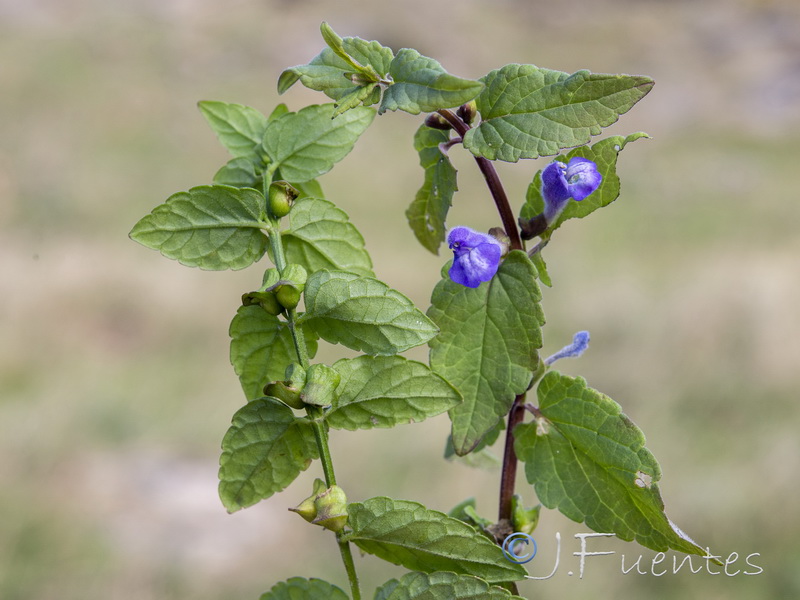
(476, 256)
(580, 342)
(560, 182)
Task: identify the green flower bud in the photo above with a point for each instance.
(266, 300)
(306, 508)
(271, 277)
(321, 382)
(467, 112)
(285, 392)
(297, 375)
(281, 197)
(296, 275)
(331, 508)
(288, 296)
(523, 519)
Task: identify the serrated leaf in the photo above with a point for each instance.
(384, 391)
(603, 153)
(262, 348)
(428, 211)
(355, 97)
(440, 585)
(487, 345)
(240, 173)
(408, 534)
(240, 128)
(422, 85)
(529, 112)
(264, 450)
(480, 457)
(212, 227)
(320, 236)
(332, 75)
(586, 458)
(298, 588)
(363, 314)
(541, 268)
(306, 144)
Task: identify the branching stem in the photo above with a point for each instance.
(493, 181)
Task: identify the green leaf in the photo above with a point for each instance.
(604, 153)
(359, 95)
(363, 314)
(422, 85)
(239, 128)
(212, 227)
(428, 211)
(332, 72)
(439, 585)
(264, 450)
(240, 173)
(480, 457)
(298, 588)
(487, 345)
(586, 458)
(408, 534)
(320, 236)
(529, 112)
(307, 144)
(541, 268)
(262, 348)
(384, 391)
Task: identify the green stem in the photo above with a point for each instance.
(349, 566)
(314, 412)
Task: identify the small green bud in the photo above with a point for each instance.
(288, 296)
(331, 508)
(296, 374)
(266, 300)
(296, 275)
(285, 392)
(281, 197)
(306, 508)
(523, 519)
(437, 121)
(271, 277)
(468, 111)
(321, 383)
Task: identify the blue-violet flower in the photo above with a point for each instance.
(476, 256)
(560, 182)
(580, 342)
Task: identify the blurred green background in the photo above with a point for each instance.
(115, 387)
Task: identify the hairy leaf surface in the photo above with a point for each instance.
(408, 534)
(487, 345)
(306, 144)
(384, 391)
(422, 85)
(428, 211)
(529, 112)
(262, 348)
(320, 236)
(586, 458)
(264, 450)
(212, 227)
(441, 585)
(363, 314)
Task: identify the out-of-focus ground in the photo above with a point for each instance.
(115, 387)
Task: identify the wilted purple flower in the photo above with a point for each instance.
(580, 342)
(476, 256)
(560, 182)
